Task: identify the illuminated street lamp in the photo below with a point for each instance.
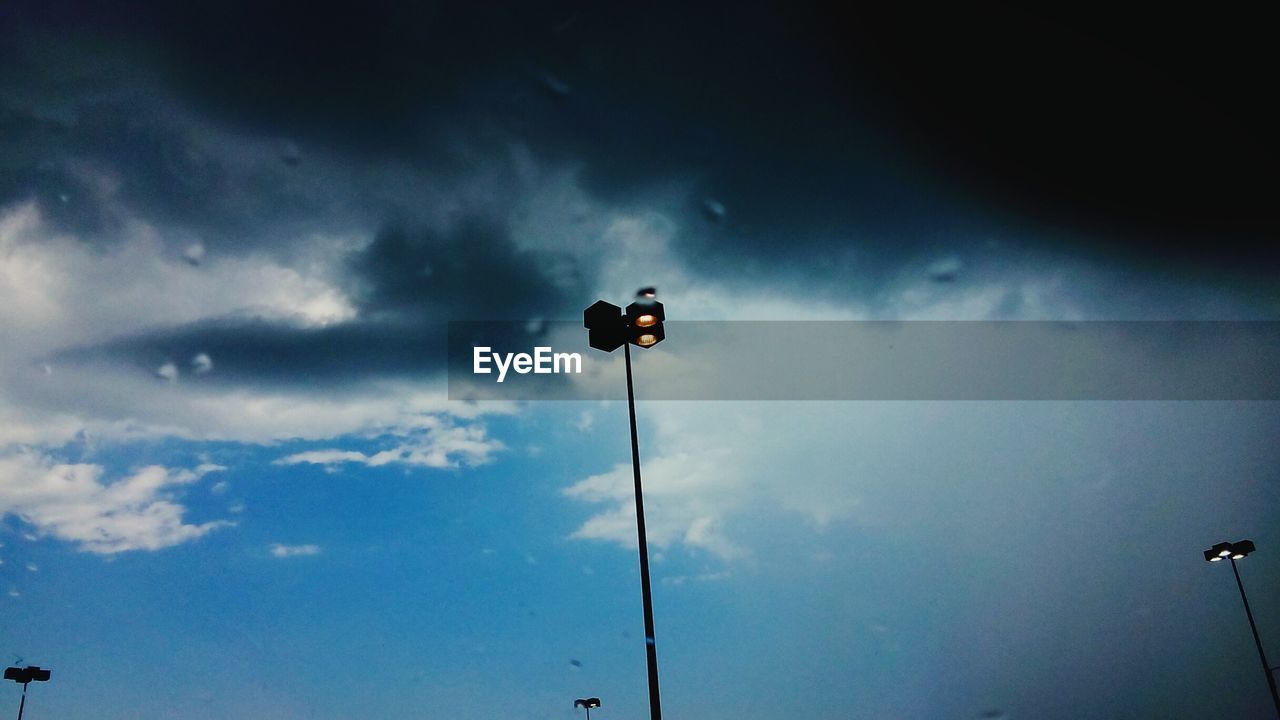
(608, 327)
(1233, 552)
(25, 675)
(587, 704)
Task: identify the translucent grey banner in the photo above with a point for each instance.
(874, 360)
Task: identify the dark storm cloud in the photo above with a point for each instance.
(257, 352)
(809, 132)
(130, 155)
(813, 128)
(161, 173)
(473, 270)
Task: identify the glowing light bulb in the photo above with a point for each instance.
(646, 340)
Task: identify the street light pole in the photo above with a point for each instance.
(642, 325)
(651, 648)
(25, 675)
(1234, 551)
(587, 704)
(1257, 640)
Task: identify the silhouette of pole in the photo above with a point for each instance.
(655, 701)
(25, 675)
(1257, 640)
(609, 326)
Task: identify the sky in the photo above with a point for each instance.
(233, 482)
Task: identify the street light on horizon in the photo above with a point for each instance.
(1234, 551)
(26, 675)
(587, 704)
(608, 327)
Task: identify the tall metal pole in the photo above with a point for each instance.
(655, 702)
(1271, 679)
(22, 705)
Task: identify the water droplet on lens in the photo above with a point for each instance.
(290, 154)
(713, 209)
(564, 25)
(194, 253)
(167, 371)
(945, 270)
(555, 85)
(202, 363)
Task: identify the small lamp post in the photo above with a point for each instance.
(1233, 552)
(25, 675)
(587, 704)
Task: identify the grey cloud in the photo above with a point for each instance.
(473, 270)
(408, 284)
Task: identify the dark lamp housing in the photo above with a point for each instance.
(1235, 551)
(606, 326)
(27, 674)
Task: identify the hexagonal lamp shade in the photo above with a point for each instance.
(644, 321)
(647, 337)
(645, 312)
(607, 329)
(641, 325)
(587, 703)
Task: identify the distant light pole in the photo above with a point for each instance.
(608, 327)
(25, 675)
(1233, 552)
(587, 704)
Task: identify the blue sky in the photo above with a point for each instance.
(232, 483)
(432, 588)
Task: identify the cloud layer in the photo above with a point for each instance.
(73, 502)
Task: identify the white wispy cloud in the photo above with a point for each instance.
(286, 551)
(709, 576)
(440, 443)
(73, 502)
(324, 457)
(687, 497)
